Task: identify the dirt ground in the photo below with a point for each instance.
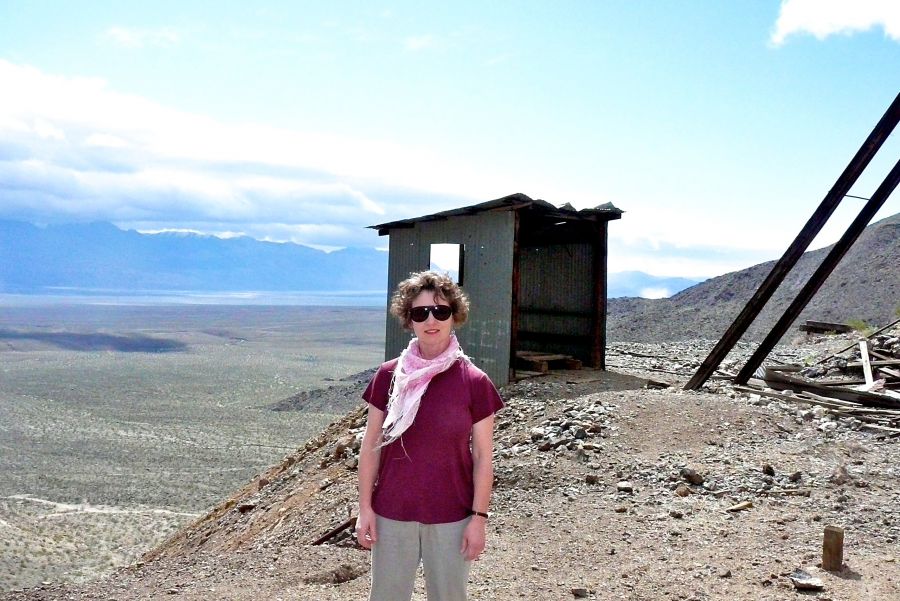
(604, 490)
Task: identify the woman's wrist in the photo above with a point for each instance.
(482, 514)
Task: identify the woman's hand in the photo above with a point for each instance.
(483, 476)
(369, 459)
(473, 538)
(365, 528)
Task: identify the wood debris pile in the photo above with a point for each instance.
(533, 362)
(860, 381)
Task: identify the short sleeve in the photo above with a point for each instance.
(485, 398)
(379, 388)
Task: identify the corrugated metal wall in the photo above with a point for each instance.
(488, 240)
(556, 299)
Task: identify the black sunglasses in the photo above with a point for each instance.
(440, 312)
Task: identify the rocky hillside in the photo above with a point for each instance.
(604, 490)
(864, 286)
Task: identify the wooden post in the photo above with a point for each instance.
(833, 549)
(842, 186)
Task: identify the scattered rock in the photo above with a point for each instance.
(691, 475)
(683, 490)
(804, 581)
(580, 592)
(840, 475)
(344, 573)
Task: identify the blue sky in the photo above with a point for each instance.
(717, 126)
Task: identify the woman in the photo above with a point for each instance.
(425, 472)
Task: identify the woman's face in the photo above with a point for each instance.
(433, 335)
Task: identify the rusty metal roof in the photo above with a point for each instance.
(513, 202)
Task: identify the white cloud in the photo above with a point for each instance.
(73, 148)
(654, 226)
(670, 241)
(419, 42)
(105, 140)
(654, 293)
(822, 18)
(665, 264)
(83, 107)
(130, 37)
(47, 131)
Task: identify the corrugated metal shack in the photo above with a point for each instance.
(535, 275)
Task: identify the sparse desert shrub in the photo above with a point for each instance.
(861, 326)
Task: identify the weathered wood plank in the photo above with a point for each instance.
(870, 399)
(824, 327)
(866, 366)
(875, 363)
(530, 364)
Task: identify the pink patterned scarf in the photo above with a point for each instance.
(412, 375)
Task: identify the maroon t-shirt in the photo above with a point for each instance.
(426, 475)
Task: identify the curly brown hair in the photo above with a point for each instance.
(440, 284)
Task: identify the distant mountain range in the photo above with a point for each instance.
(640, 284)
(100, 256)
(864, 286)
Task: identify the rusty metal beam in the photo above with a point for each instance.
(348, 523)
(818, 278)
(842, 186)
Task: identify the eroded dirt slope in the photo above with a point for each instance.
(605, 490)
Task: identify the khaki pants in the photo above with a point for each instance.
(400, 547)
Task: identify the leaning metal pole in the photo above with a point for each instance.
(762, 295)
(821, 274)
